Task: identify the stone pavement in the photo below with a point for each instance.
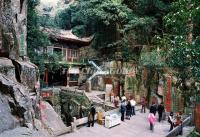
(137, 126)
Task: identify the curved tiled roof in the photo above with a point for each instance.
(67, 36)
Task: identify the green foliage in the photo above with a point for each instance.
(152, 59)
(183, 56)
(182, 12)
(63, 19)
(37, 40)
(194, 134)
(118, 25)
(132, 83)
(142, 28)
(46, 21)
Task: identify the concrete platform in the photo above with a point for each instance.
(137, 126)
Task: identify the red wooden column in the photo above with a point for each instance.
(197, 116)
(168, 97)
(46, 76)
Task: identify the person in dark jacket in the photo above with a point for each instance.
(68, 118)
(153, 108)
(123, 109)
(160, 111)
(91, 116)
(128, 110)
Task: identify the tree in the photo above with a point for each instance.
(37, 40)
(181, 40)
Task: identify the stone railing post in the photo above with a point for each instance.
(74, 125)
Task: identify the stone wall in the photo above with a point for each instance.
(19, 100)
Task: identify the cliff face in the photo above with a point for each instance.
(13, 22)
(19, 100)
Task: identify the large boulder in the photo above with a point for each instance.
(7, 68)
(52, 120)
(24, 132)
(7, 121)
(27, 73)
(19, 100)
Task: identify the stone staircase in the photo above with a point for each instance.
(94, 98)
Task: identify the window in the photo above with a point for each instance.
(73, 77)
(71, 53)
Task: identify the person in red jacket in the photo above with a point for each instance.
(143, 103)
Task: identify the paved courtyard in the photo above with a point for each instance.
(137, 126)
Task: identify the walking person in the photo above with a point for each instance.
(123, 109)
(91, 116)
(153, 108)
(160, 111)
(133, 103)
(128, 110)
(171, 121)
(143, 103)
(152, 120)
(80, 112)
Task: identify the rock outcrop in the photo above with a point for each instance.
(52, 120)
(7, 120)
(7, 68)
(27, 73)
(23, 132)
(19, 104)
(17, 96)
(13, 22)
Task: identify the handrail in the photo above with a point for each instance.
(95, 65)
(178, 129)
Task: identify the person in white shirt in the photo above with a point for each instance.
(133, 103)
(171, 121)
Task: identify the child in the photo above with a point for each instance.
(152, 120)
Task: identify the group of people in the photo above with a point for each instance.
(173, 120)
(127, 108)
(152, 114)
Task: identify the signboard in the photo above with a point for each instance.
(22, 47)
(46, 94)
(168, 98)
(73, 71)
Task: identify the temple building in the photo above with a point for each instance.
(66, 44)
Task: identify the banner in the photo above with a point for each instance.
(168, 97)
